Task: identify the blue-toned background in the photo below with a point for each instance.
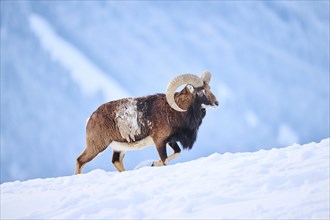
(61, 59)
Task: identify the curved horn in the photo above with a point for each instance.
(177, 81)
(206, 77)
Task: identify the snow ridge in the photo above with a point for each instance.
(286, 183)
(89, 77)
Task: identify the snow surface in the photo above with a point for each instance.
(286, 183)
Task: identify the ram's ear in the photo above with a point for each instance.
(190, 89)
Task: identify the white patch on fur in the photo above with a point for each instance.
(138, 145)
(209, 106)
(159, 163)
(149, 124)
(190, 88)
(127, 120)
(172, 156)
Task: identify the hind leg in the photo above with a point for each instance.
(89, 154)
(117, 160)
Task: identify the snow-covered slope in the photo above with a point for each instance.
(61, 59)
(286, 183)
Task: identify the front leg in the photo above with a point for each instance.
(174, 155)
(161, 149)
(176, 150)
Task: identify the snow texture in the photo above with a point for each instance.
(286, 183)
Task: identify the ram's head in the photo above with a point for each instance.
(198, 87)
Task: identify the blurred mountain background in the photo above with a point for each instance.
(61, 59)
